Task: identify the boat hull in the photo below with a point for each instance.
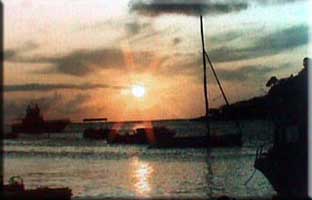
(54, 126)
(96, 134)
(10, 193)
(161, 137)
(286, 170)
(141, 136)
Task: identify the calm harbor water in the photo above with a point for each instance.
(94, 169)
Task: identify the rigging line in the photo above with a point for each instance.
(250, 177)
(222, 91)
(218, 81)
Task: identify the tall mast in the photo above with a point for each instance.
(205, 75)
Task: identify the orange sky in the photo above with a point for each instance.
(80, 59)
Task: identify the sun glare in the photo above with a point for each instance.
(138, 91)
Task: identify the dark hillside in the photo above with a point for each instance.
(286, 98)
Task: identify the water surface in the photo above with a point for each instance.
(97, 170)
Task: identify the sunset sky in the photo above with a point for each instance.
(79, 59)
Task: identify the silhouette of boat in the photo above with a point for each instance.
(33, 123)
(96, 133)
(285, 167)
(15, 190)
(161, 137)
(285, 164)
(129, 137)
(141, 135)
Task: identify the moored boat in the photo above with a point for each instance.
(15, 190)
(141, 135)
(96, 133)
(286, 168)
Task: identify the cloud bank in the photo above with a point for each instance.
(271, 44)
(87, 61)
(49, 87)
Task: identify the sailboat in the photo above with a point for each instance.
(209, 140)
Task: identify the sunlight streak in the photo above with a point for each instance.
(142, 174)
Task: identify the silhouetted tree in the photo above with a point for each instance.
(272, 81)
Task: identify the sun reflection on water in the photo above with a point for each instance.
(142, 173)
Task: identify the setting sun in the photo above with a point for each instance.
(138, 91)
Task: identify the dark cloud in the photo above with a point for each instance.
(186, 7)
(285, 39)
(148, 35)
(225, 54)
(78, 62)
(197, 7)
(226, 37)
(12, 54)
(135, 27)
(194, 68)
(129, 27)
(84, 62)
(188, 64)
(191, 65)
(74, 105)
(245, 73)
(87, 61)
(272, 44)
(49, 87)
